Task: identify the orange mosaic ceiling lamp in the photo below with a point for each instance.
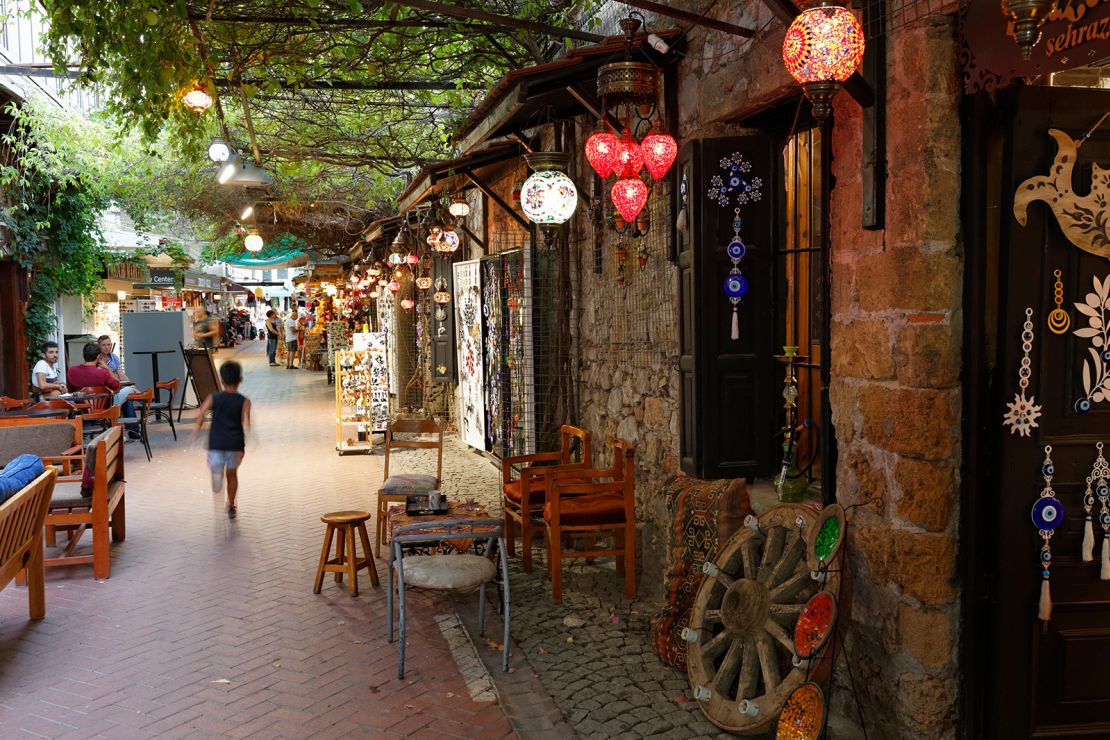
(197, 99)
(823, 47)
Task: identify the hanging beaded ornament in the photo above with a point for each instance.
(736, 182)
(1047, 514)
(1058, 318)
(1088, 550)
(1022, 412)
(736, 285)
(1100, 480)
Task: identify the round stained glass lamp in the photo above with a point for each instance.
(197, 99)
(603, 151)
(823, 47)
(448, 242)
(394, 286)
(423, 282)
(548, 196)
(629, 195)
(253, 242)
(441, 297)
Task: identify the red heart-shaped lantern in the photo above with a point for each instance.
(630, 157)
(659, 150)
(603, 152)
(629, 196)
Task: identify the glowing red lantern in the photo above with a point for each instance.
(407, 304)
(823, 47)
(631, 157)
(412, 259)
(394, 286)
(603, 152)
(629, 196)
(659, 150)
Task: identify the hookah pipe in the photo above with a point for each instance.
(792, 430)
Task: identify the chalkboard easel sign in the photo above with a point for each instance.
(201, 373)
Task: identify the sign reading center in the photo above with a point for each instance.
(160, 277)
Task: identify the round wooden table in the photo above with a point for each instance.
(35, 413)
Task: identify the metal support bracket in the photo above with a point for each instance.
(488, 192)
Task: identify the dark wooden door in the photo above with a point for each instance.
(443, 332)
(1045, 680)
(727, 394)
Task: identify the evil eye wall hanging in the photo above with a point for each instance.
(1096, 367)
(1098, 484)
(1021, 415)
(736, 285)
(1048, 515)
(736, 185)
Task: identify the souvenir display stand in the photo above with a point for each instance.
(361, 393)
(338, 339)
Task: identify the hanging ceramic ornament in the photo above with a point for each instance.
(683, 192)
(1022, 412)
(1096, 369)
(736, 285)
(1100, 479)
(1058, 318)
(1047, 514)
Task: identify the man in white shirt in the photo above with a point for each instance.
(44, 376)
(291, 348)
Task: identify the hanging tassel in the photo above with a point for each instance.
(1044, 610)
(735, 324)
(1088, 541)
(1104, 573)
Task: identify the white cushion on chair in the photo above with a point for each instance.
(448, 572)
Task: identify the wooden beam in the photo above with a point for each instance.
(280, 20)
(506, 20)
(695, 18)
(593, 105)
(355, 84)
(473, 236)
(488, 192)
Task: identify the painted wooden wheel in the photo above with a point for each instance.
(741, 657)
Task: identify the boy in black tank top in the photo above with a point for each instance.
(227, 436)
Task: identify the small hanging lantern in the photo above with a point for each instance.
(394, 286)
(447, 244)
(424, 282)
(1027, 17)
(459, 208)
(407, 303)
(823, 47)
(629, 195)
(400, 242)
(659, 150)
(548, 196)
(396, 258)
(373, 295)
(433, 236)
(197, 99)
(253, 242)
(441, 296)
(412, 259)
(630, 156)
(375, 270)
(603, 151)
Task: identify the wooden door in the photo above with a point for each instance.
(1043, 679)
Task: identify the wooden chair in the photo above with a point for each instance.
(68, 458)
(527, 510)
(103, 511)
(6, 404)
(95, 422)
(395, 488)
(21, 527)
(165, 408)
(348, 525)
(141, 403)
(585, 504)
(98, 404)
(54, 403)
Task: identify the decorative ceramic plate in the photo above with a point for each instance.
(803, 717)
(815, 625)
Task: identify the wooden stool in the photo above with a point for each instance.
(346, 523)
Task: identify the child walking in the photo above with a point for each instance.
(227, 436)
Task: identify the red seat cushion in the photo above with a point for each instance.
(591, 508)
(537, 484)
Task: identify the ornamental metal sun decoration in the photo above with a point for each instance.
(1022, 412)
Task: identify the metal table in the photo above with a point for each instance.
(154, 361)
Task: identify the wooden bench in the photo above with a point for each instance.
(21, 522)
(103, 511)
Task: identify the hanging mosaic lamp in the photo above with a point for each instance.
(253, 242)
(548, 197)
(631, 157)
(407, 303)
(394, 286)
(433, 236)
(412, 259)
(441, 297)
(197, 99)
(1027, 17)
(423, 282)
(823, 47)
(459, 208)
(629, 195)
(603, 151)
(659, 150)
(375, 270)
(396, 258)
(447, 244)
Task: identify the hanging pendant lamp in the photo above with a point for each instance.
(603, 151)
(823, 47)
(659, 150)
(630, 157)
(629, 195)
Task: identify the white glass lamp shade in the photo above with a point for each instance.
(459, 208)
(219, 151)
(548, 197)
(253, 242)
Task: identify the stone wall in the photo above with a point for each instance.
(895, 395)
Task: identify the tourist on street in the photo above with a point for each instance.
(92, 372)
(110, 361)
(206, 330)
(227, 435)
(272, 336)
(44, 376)
(290, 341)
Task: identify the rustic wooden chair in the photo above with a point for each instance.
(69, 457)
(141, 403)
(99, 404)
(592, 504)
(21, 527)
(103, 511)
(95, 422)
(395, 488)
(165, 408)
(54, 403)
(6, 404)
(527, 510)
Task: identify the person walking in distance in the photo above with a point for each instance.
(291, 345)
(227, 435)
(272, 336)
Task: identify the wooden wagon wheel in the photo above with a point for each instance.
(740, 657)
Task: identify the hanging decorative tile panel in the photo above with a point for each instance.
(386, 304)
(468, 330)
(492, 352)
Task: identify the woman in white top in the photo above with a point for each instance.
(44, 376)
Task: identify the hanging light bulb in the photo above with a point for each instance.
(659, 149)
(823, 47)
(197, 99)
(253, 242)
(629, 195)
(459, 208)
(603, 151)
(630, 156)
(398, 273)
(219, 151)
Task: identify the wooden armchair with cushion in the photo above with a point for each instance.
(21, 520)
(587, 505)
(102, 509)
(526, 511)
(56, 441)
(395, 488)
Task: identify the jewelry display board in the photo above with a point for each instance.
(386, 306)
(468, 327)
(361, 393)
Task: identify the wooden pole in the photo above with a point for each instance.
(682, 15)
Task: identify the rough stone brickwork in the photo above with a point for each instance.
(896, 338)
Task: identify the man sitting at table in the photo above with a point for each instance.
(110, 360)
(44, 376)
(94, 372)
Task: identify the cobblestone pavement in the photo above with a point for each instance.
(209, 627)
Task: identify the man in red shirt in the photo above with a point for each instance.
(91, 372)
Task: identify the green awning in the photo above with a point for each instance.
(267, 260)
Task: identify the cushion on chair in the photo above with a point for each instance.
(593, 508)
(537, 484)
(35, 439)
(462, 572)
(18, 473)
(67, 495)
(404, 484)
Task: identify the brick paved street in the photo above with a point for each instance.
(209, 628)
